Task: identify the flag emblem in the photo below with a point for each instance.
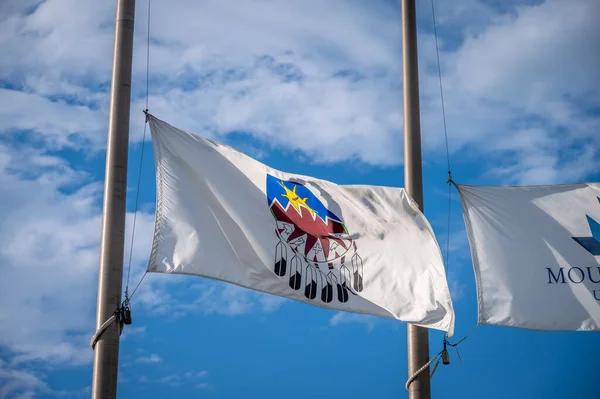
(591, 244)
(315, 251)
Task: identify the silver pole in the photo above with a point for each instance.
(418, 337)
(106, 352)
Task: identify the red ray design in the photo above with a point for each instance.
(314, 228)
(310, 243)
(297, 233)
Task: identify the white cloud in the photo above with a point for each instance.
(59, 123)
(49, 41)
(509, 70)
(132, 331)
(50, 225)
(542, 51)
(175, 380)
(20, 383)
(157, 293)
(345, 317)
(214, 297)
(193, 374)
(498, 89)
(47, 260)
(28, 384)
(525, 89)
(457, 288)
(238, 81)
(153, 358)
(171, 380)
(202, 374)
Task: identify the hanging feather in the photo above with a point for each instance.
(342, 292)
(280, 259)
(327, 290)
(357, 270)
(295, 273)
(345, 278)
(310, 289)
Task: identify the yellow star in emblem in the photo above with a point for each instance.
(296, 201)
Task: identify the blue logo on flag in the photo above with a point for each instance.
(591, 244)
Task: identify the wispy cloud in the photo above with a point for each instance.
(328, 82)
(20, 383)
(132, 331)
(153, 358)
(175, 380)
(50, 224)
(345, 317)
(171, 380)
(25, 383)
(456, 286)
(202, 374)
(199, 374)
(542, 99)
(216, 297)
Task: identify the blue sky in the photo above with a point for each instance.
(307, 87)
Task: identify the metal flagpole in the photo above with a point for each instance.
(106, 351)
(418, 337)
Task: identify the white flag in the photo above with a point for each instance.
(536, 253)
(226, 216)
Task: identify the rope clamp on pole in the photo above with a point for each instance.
(115, 317)
(121, 315)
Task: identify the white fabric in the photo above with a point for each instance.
(534, 254)
(213, 219)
